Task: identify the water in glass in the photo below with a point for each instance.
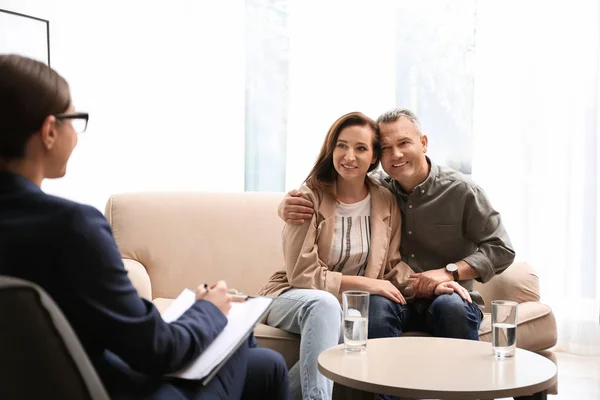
(504, 339)
(356, 323)
(504, 328)
(355, 333)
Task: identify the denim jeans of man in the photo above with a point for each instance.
(447, 316)
(315, 315)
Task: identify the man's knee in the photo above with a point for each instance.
(386, 317)
(381, 307)
(450, 304)
(454, 317)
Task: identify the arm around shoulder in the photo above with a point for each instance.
(295, 208)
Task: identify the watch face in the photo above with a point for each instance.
(452, 267)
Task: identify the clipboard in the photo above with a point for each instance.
(242, 319)
(216, 370)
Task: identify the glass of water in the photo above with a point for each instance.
(504, 328)
(356, 319)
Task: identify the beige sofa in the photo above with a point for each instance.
(170, 241)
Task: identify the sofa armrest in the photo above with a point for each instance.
(519, 283)
(536, 327)
(139, 278)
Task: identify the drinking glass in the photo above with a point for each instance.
(504, 328)
(356, 319)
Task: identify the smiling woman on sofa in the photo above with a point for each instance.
(68, 249)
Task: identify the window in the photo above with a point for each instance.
(435, 72)
(267, 62)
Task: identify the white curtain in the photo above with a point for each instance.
(536, 148)
(342, 59)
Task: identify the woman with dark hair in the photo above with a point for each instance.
(352, 242)
(68, 249)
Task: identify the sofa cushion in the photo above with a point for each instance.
(536, 327)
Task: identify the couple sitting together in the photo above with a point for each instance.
(414, 238)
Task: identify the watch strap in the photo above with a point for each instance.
(455, 275)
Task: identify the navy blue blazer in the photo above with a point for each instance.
(68, 249)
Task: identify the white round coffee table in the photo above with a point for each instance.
(426, 367)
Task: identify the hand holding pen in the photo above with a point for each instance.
(216, 294)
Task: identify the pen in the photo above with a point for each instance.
(229, 291)
(235, 295)
(241, 297)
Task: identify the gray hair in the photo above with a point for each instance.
(395, 114)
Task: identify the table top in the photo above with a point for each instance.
(430, 367)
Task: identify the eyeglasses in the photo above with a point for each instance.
(79, 120)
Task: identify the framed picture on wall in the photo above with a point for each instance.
(24, 35)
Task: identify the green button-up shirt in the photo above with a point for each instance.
(448, 218)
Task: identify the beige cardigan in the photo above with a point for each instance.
(306, 246)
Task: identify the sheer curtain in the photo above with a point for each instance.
(266, 97)
(536, 150)
(342, 59)
(435, 71)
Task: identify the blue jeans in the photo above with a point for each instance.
(447, 316)
(316, 316)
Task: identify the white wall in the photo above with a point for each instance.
(164, 84)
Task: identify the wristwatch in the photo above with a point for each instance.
(453, 269)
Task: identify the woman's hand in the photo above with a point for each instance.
(385, 288)
(451, 287)
(382, 287)
(216, 294)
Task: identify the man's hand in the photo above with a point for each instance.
(294, 209)
(426, 282)
(451, 287)
(216, 294)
